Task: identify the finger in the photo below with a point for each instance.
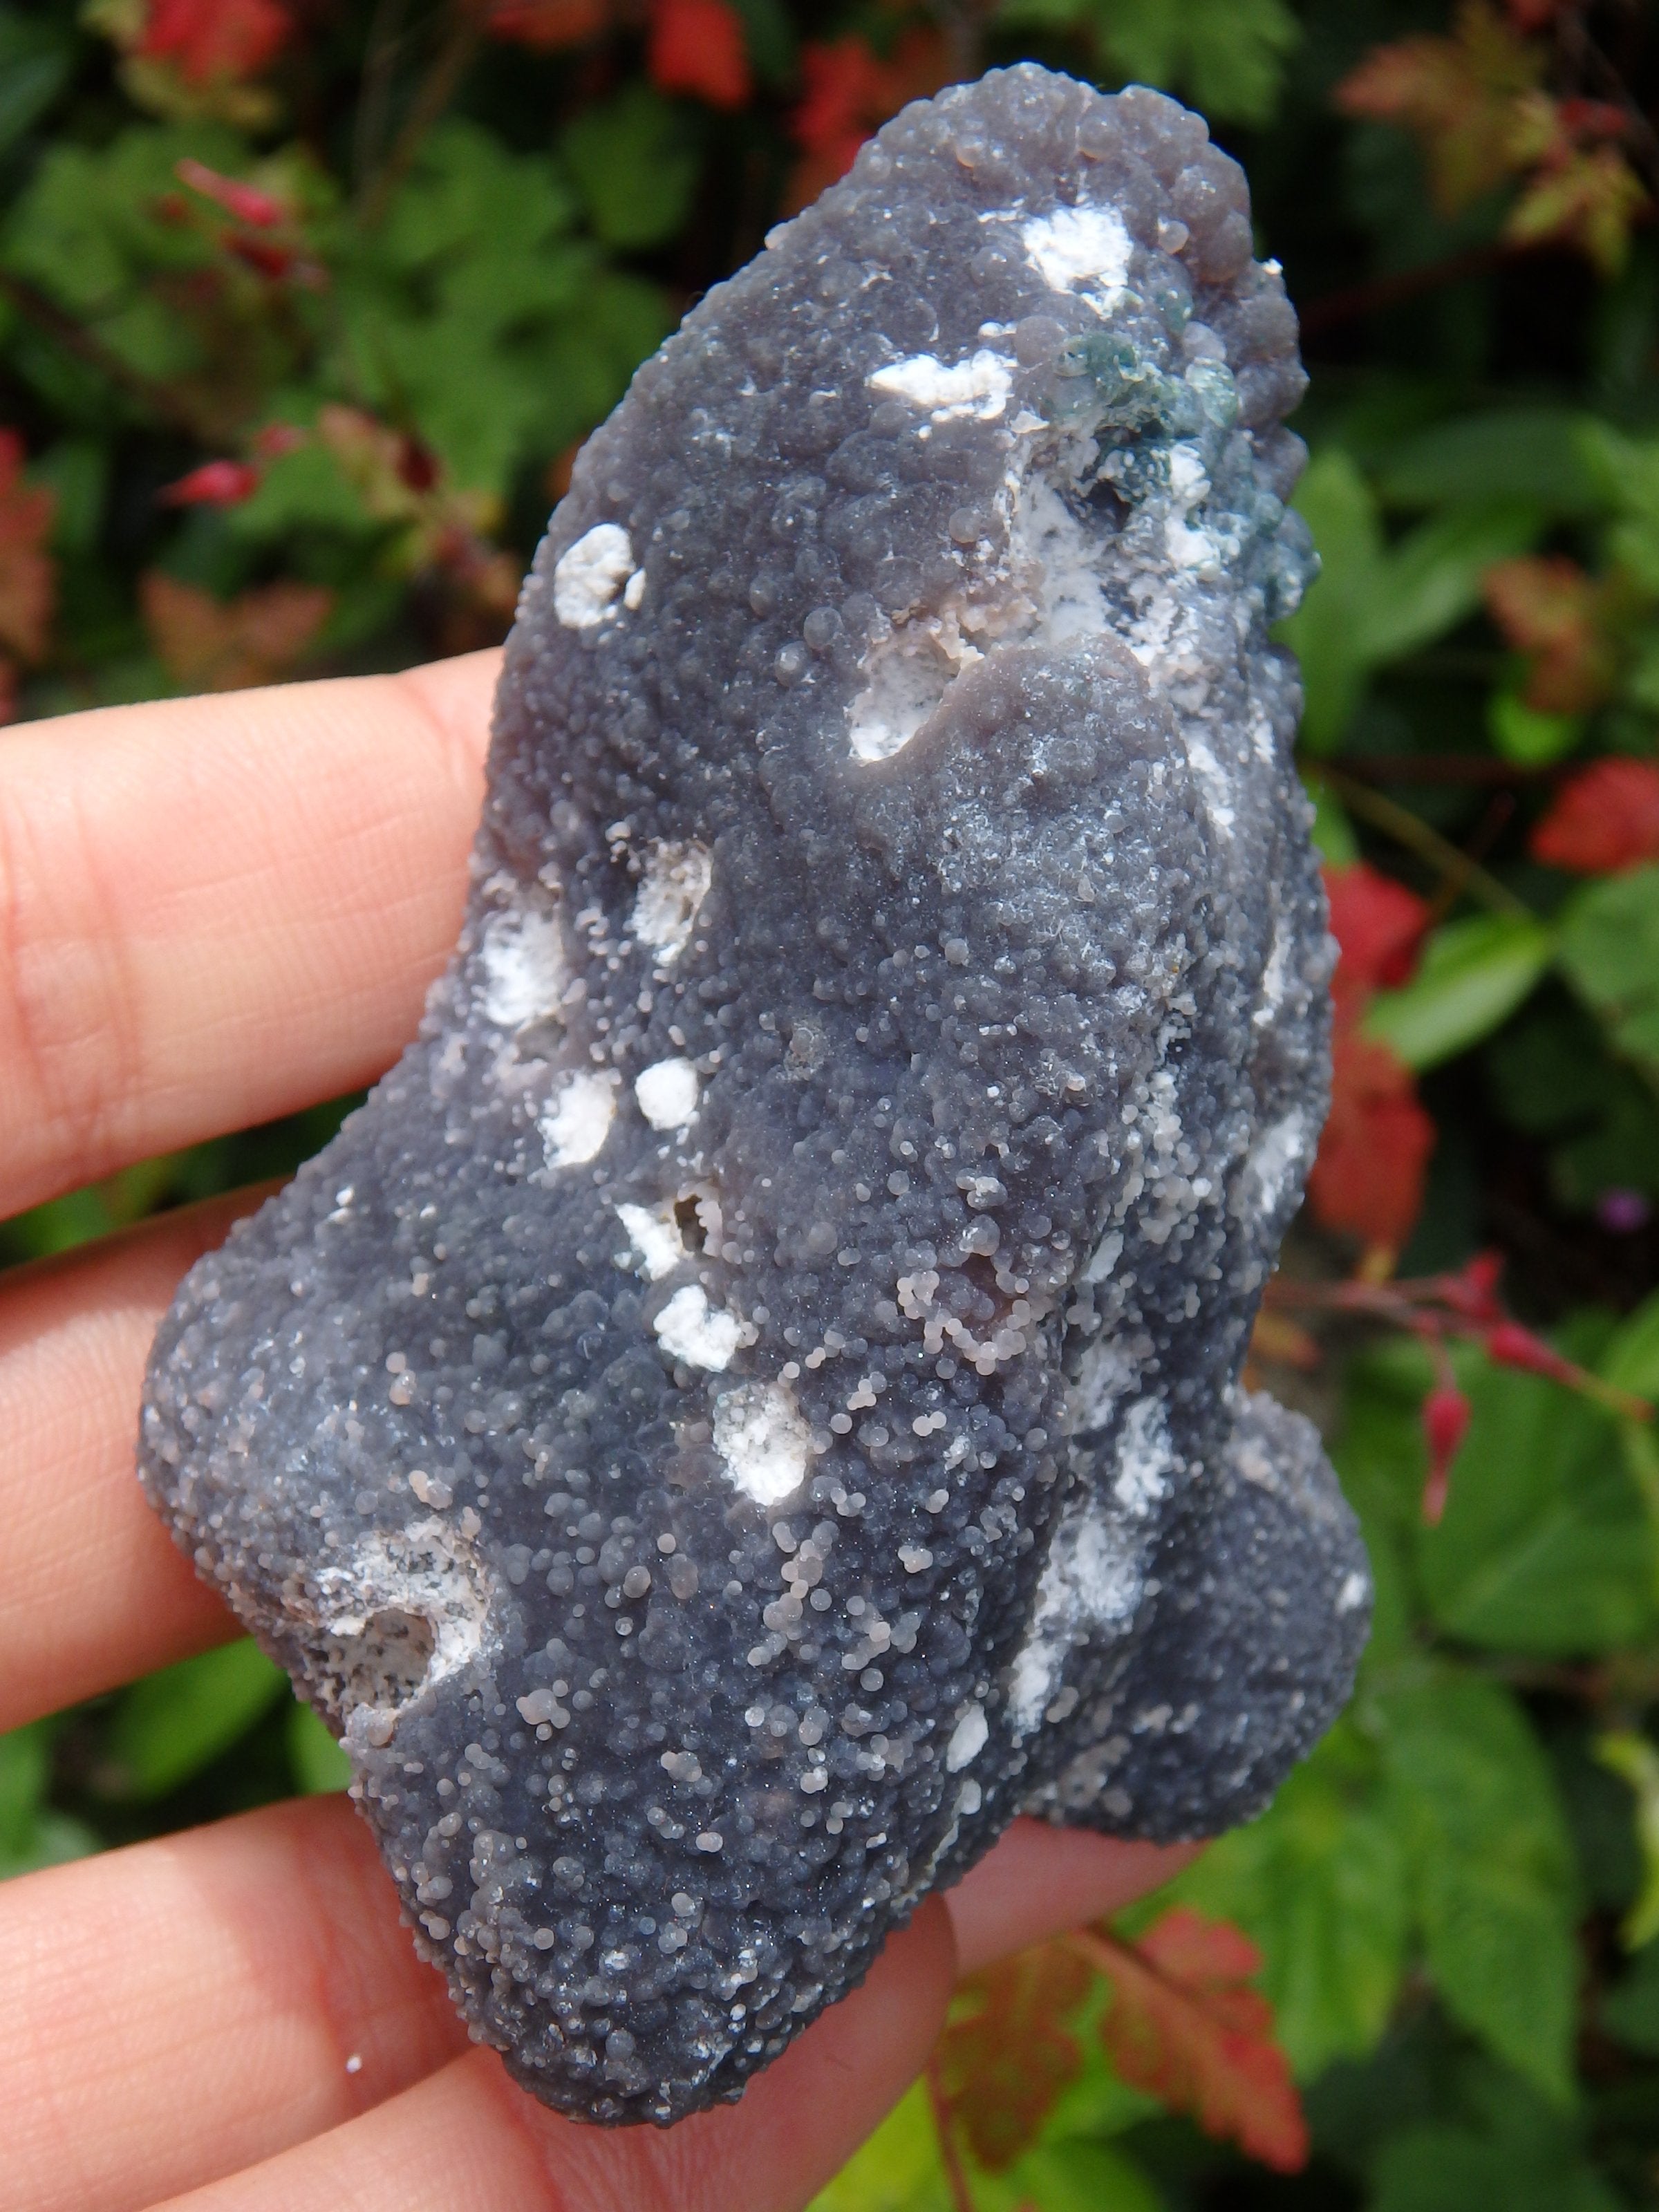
(94, 1591)
(1039, 1880)
(212, 911)
(468, 2136)
(186, 2008)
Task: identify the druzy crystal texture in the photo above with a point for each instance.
(752, 1403)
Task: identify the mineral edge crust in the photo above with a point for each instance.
(752, 1403)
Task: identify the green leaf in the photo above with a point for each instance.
(1431, 579)
(1630, 2009)
(171, 1725)
(35, 61)
(1631, 1358)
(1332, 831)
(1531, 453)
(1491, 1867)
(1545, 1545)
(1472, 976)
(1373, 603)
(1229, 55)
(897, 2170)
(1610, 951)
(320, 1764)
(32, 1834)
(634, 161)
(1448, 2169)
(1319, 1883)
(1070, 2175)
(1326, 631)
(1532, 740)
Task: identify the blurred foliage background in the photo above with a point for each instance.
(305, 309)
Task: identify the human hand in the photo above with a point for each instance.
(212, 913)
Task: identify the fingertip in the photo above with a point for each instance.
(1039, 1880)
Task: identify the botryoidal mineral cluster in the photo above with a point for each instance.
(752, 1403)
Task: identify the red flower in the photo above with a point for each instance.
(216, 484)
(1604, 818)
(697, 47)
(216, 39)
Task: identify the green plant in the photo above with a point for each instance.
(300, 327)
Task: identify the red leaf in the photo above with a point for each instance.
(1367, 1180)
(547, 25)
(216, 484)
(1445, 1422)
(850, 91)
(1379, 924)
(245, 202)
(1604, 818)
(697, 46)
(28, 575)
(1551, 610)
(209, 39)
(1007, 2052)
(1184, 2025)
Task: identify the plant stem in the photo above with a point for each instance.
(433, 95)
(1409, 829)
(157, 400)
(945, 2127)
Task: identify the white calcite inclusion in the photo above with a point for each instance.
(978, 387)
(690, 1329)
(766, 1446)
(587, 575)
(667, 1093)
(751, 1403)
(575, 1124)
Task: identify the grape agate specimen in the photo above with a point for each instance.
(752, 1402)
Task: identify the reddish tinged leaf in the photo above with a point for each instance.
(697, 46)
(215, 41)
(1549, 609)
(224, 646)
(216, 484)
(547, 25)
(1007, 2052)
(1184, 2025)
(1367, 1181)
(1379, 925)
(243, 201)
(1587, 198)
(1445, 1422)
(28, 574)
(1457, 95)
(1535, 14)
(1604, 819)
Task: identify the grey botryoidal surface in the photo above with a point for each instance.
(752, 1402)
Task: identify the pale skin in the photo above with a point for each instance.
(213, 912)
